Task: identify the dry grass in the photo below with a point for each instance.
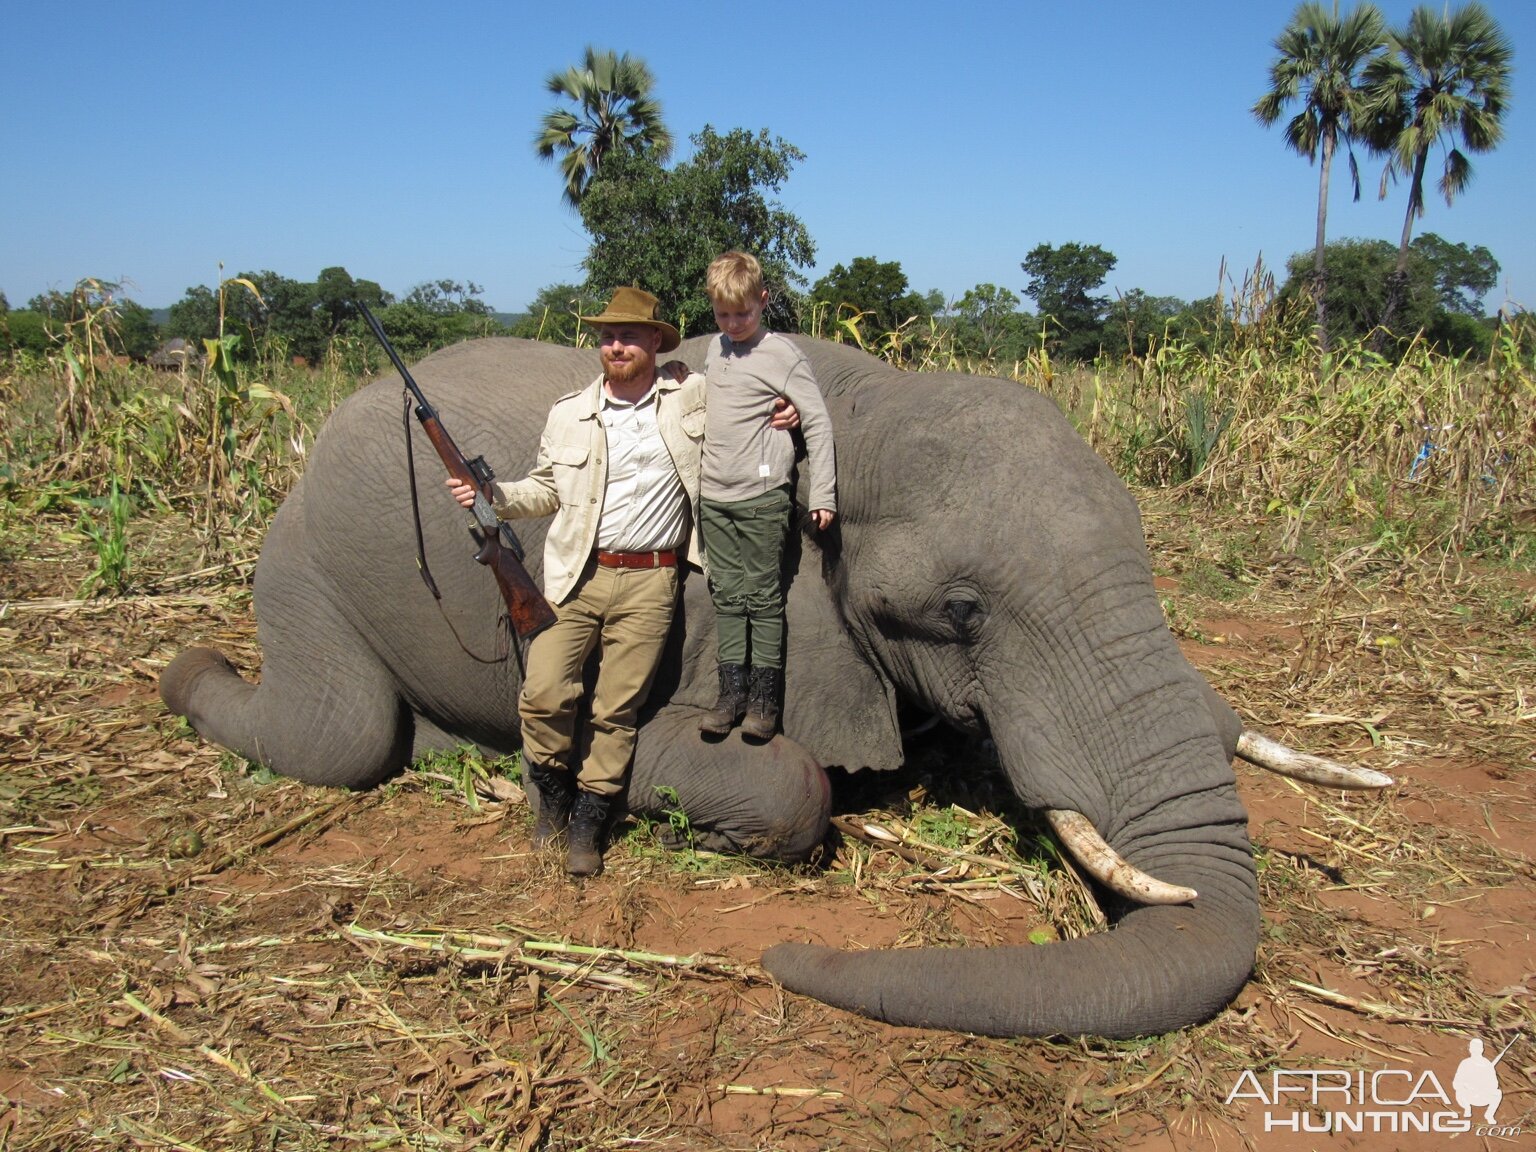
(324, 974)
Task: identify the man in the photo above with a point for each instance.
(618, 465)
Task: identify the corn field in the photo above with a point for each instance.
(1423, 456)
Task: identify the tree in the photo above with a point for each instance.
(879, 291)
(1358, 282)
(195, 316)
(1445, 81)
(553, 315)
(1321, 64)
(1463, 275)
(1137, 320)
(1060, 282)
(988, 324)
(137, 335)
(617, 115)
(282, 317)
(660, 228)
(25, 331)
(336, 295)
(124, 326)
(449, 298)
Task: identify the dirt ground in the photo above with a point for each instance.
(195, 956)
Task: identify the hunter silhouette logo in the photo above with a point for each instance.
(1343, 1100)
(1477, 1080)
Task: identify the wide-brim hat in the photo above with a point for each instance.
(635, 306)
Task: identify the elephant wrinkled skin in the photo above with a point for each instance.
(987, 567)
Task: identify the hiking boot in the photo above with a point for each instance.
(763, 703)
(557, 793)
(731, 706)
(584, 836)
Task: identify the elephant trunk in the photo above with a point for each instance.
(202, 685)
(1158, 969)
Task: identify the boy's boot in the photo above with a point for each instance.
(732, 704)
(763, 703)
(584, 837)
(557, 793)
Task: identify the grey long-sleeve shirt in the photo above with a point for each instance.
(743, 456)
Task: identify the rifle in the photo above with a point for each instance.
(500, 549)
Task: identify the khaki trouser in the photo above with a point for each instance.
(628, 611)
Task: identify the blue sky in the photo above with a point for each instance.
(147, 142)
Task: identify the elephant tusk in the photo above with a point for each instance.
(1107, 866)
(1276, 757)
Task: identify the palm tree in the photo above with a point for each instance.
(1321, 63)
(613, 95)
(1447, 80)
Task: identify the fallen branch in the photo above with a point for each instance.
(798, 1093)
(1395, 1015)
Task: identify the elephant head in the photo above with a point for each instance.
(991, 569)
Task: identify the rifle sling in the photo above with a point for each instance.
(426, 574)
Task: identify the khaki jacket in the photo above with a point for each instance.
(571, 474)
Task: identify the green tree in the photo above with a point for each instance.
(552, 316)
(1137, 320)
(617, 114)
(660, 228)
(1446, 82)
(1061, 282)
(195, 316)
(1358, 282)
(878, 290)
(1320, 66)
(25, 331)
(1463, 275)
(336, 293)
(988, 324)
(137, 333)
(127, 328)
(449, 298)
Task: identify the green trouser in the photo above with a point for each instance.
(744, 546)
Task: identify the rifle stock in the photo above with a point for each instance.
(499, 548)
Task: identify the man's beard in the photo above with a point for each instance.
(632, 369)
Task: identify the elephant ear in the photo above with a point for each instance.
(837, 704)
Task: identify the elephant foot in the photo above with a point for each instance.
(179, 681)
(768, 800)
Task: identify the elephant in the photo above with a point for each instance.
(987, 568)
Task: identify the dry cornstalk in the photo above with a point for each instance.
(465, 948)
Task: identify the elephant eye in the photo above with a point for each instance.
(966, 617)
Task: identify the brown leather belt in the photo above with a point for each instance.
(666, 559)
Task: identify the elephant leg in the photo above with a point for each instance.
(770, 800)
(326, 711)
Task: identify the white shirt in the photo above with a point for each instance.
(645, 506)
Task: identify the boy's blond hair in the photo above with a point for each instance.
(733, 279)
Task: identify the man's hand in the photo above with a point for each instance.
(786, 417)
(462, 491)
(822, 518)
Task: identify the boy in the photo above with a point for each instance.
(745, 492)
